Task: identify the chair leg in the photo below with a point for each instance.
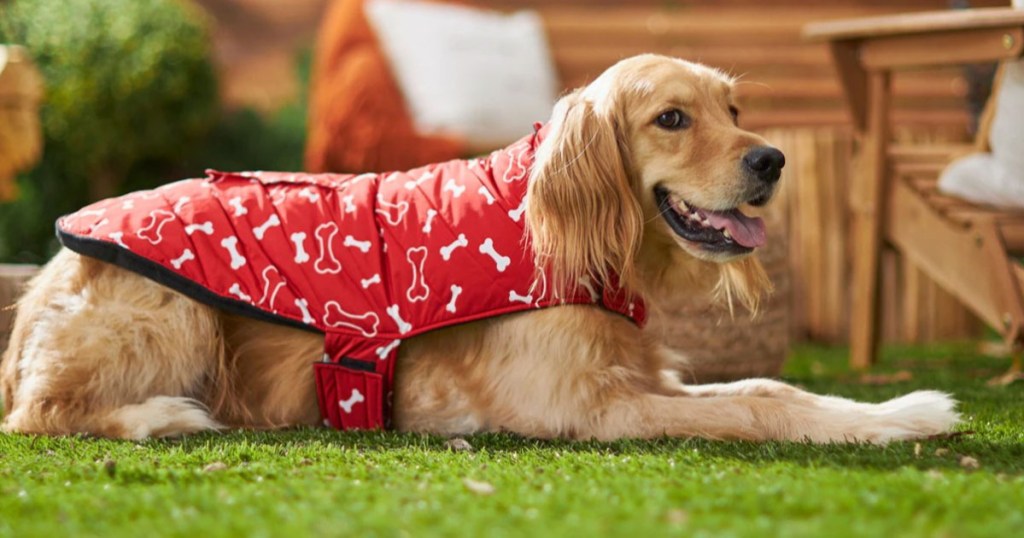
(1014, 373)
(868, 212)
(865, 307)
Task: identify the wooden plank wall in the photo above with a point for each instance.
(788, 91)
(13, 279)
(915, 309)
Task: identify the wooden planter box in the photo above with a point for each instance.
(12, 283)
(21, 139)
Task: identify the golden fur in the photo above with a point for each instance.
(100, 350)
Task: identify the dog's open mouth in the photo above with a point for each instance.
(718, 231)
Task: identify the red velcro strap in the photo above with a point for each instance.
(349, 399)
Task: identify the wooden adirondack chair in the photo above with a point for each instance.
(968, 249)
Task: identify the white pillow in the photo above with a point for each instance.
(996, 178)
(483, 75)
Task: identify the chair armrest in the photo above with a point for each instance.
(912, 23)
(883, 44)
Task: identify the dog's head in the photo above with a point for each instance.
(646, 163)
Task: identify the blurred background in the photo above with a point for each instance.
(131, 94)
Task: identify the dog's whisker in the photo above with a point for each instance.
(579, 154)
(755, 83)
(660, 214)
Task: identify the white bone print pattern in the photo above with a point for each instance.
(231, 244)
(118, 238)
(240, 209)
(456, 291)
(236, 290)
(180, 204)
(367, 282)
(418, 290)
(486, 194)
(303, 306)
(363, 246)
(206, 228)
(517, 213)
(153, 231)
(278, 197)
(393, 213)
(446, 251)
(272, 284)
(366, 323)
(502, 262)
(383, 351)
(349, 206)
(299, 240)
(428, 225)
(261, 230)
(326, 263)
(514, 297)
(310, 195)
(403, 326)
(517, 169)
(412, 184)
(186, 255)
(354, 398)
(454, 188)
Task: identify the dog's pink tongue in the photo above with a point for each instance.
(744, 230)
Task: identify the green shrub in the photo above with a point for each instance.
(128, 82)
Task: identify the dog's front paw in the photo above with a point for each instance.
(913, 416)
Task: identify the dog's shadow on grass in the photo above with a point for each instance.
(322, 447)
(997, 456)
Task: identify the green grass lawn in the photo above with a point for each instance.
(325, 483)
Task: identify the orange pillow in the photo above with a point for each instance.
(358, 121)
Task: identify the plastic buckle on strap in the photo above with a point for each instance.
(349, 398)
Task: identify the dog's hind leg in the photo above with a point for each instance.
(100, 350)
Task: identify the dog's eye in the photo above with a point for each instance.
(735, 113)
(672, 120)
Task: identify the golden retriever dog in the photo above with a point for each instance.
(636, 173)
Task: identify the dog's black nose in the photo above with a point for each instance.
(765, 162)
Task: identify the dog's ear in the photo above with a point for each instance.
(583, 212)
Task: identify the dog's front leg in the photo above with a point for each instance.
(914, 415)
(825, 420)
(580, 372)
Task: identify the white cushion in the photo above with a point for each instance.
(996, 178)
(483, 75)
(982, 179)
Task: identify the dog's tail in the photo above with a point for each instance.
(159, 416)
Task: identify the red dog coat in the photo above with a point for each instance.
(368, 260)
